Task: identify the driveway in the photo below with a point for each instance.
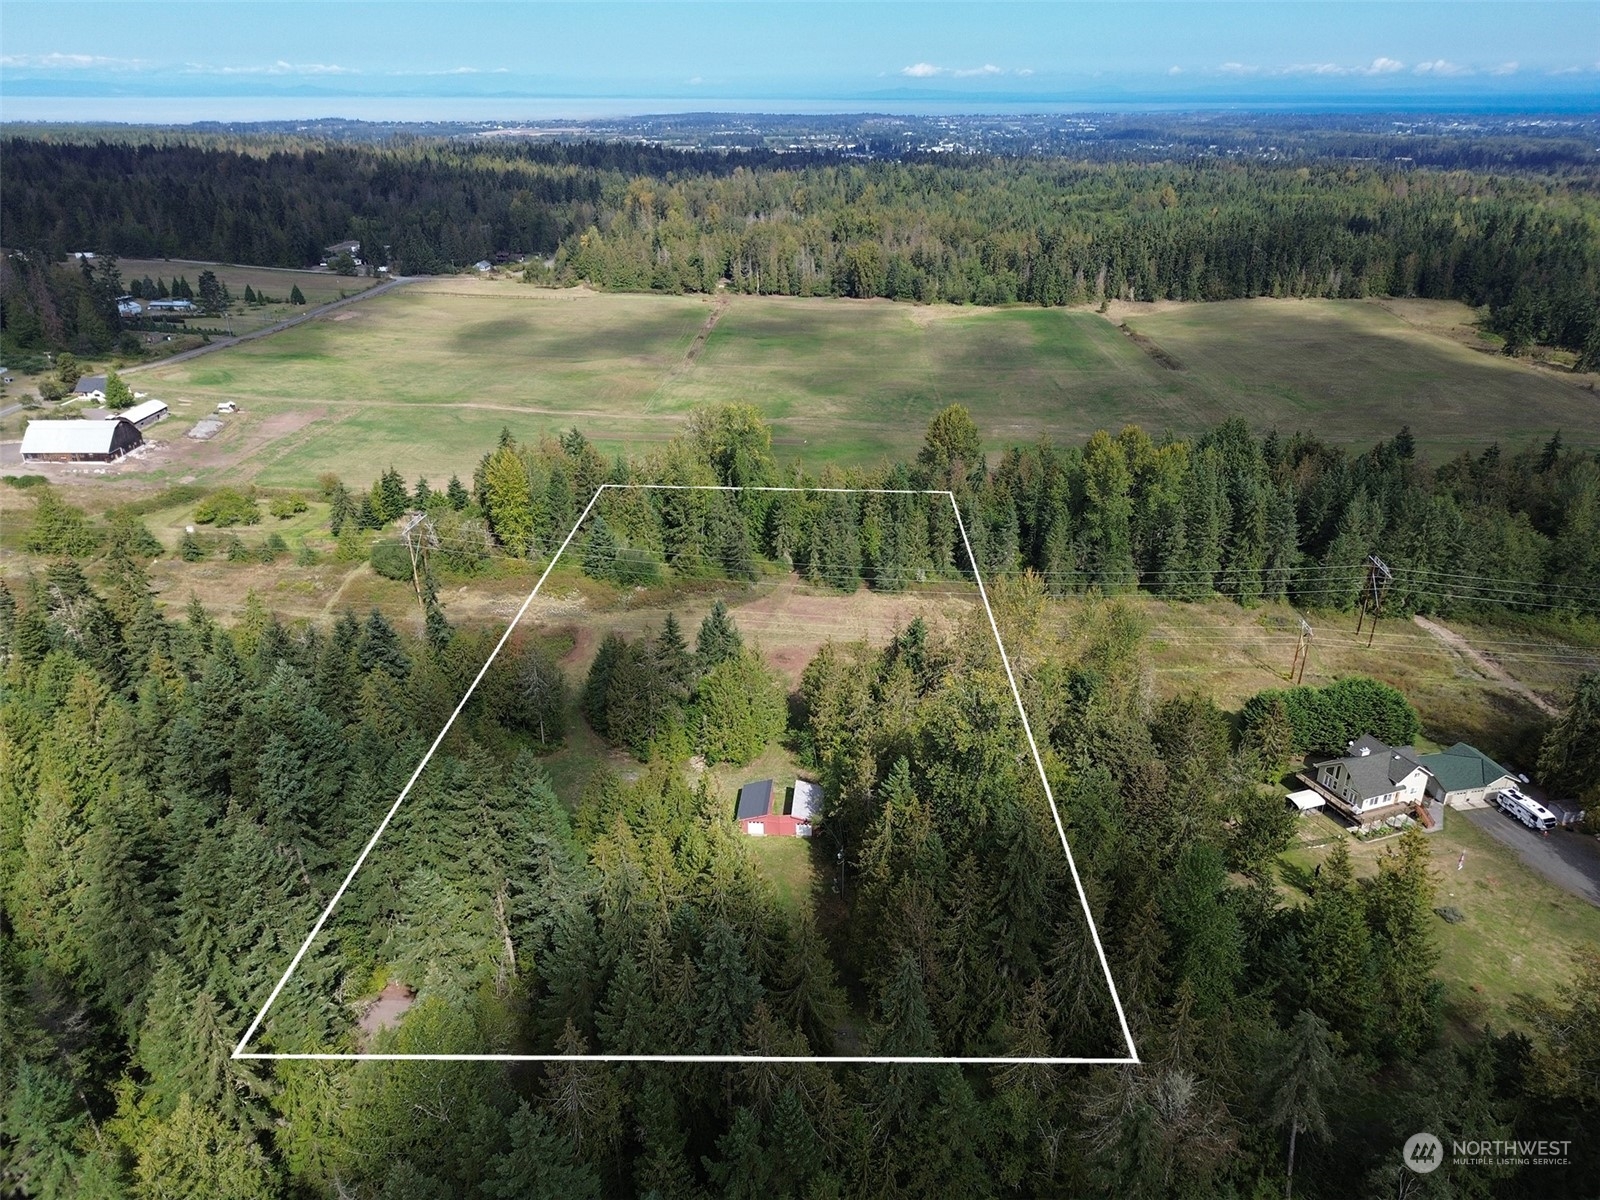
(1567, 859)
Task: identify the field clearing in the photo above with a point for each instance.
(1231, 653)
(318, 287)
(426, 376)
(1521, 932)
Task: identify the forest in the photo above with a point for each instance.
(975, 229)
(178, 799)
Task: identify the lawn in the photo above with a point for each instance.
(426, 376)
(1354, 372)
(1520, 932)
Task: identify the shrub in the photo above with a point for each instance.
(25, 481)
(391, 560)
(284, 507)
(305, 556)
(227, 507)
(635, 568)
(237, 551)
(189, 548)
(1327, 719)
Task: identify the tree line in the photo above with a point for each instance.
(178, 799)
(1227, 513)
(981, 229)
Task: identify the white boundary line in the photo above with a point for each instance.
(240, 1053)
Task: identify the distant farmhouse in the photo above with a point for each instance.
(760, 810)
(79, 441)
(90, 387)
(127, 306)
(175, 307)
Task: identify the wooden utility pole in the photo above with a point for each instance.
(1373, 589)
(1302, 653)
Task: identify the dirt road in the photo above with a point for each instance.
(1487, 667)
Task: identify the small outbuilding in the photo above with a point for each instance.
(79, 441)
(147, 413)
(1306, 800)
(760, 809)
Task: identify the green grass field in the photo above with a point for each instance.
(318, 287)
(425, 377)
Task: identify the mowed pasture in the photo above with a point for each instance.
(424, 377)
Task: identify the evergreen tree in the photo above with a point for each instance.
(296, 296)
(600, 551)
(718, 640)
(739, 709)
(456, 493)
(1302, 1083)
(380, 649)
(673, 660)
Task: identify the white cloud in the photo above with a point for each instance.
(696, 80)
(1029, 70)
(1379, 66)
(1440, 66)
(1174, 70)
(1507, 68)
(1233, 68)
(923, 70)
(1316, 69)
(73, 62)
(278, 68)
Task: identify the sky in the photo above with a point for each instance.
(163, 60)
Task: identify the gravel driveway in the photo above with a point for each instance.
(1568, 860)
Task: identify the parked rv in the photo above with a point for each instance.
(1526, 809)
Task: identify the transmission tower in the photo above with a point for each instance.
(421, 539)
(1373, 589)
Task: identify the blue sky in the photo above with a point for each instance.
(266, 58)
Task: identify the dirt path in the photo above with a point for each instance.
(1487, 667)
(327, 608)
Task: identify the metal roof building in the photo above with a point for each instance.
(146, 413)
(79, 441)
(1464, 776)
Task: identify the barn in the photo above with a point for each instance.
(760, 810)
(79, 441)
(146, 413)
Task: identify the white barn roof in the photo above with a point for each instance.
(145, 410)
(68, 437)
(807, 799)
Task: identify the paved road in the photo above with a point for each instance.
(1568, 860)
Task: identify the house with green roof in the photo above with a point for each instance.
(1465, 777)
